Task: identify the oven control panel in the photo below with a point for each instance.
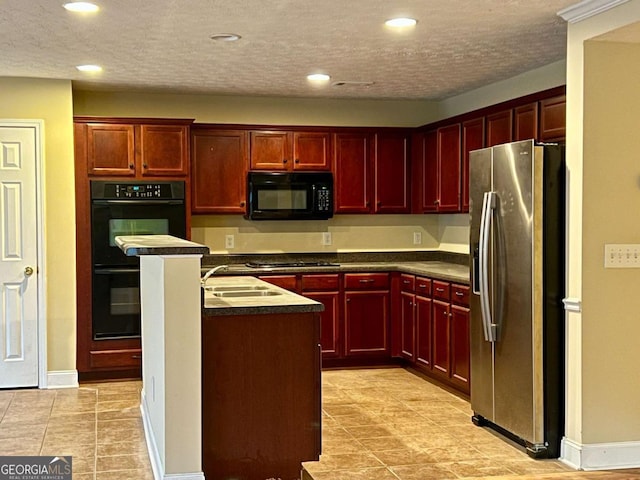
(124, 190)
(149, 190)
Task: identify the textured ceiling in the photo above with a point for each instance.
(164, 45)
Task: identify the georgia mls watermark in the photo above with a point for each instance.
(35, 468)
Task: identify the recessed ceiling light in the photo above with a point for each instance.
(89, 68)
(401, 22)
(82, 7)
(225, 37)
(318, 77)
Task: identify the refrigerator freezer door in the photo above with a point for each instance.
(515, 374)
(481, 350)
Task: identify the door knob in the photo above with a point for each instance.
(28, 271)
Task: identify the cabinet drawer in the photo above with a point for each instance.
(315, 283)
(284, 281)
(460, 294)
(423, 286)
(441, 290)
(407, 282)
(115, 358)
(366, 281)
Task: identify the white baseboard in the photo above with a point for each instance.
(61, 379)
(600, 456)
(154, 454)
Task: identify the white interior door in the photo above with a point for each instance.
(18, 256)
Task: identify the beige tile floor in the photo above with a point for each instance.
(378, 424)
(98, 424)
(390, 424)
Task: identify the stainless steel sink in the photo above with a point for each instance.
(246, 293)
(237, 288)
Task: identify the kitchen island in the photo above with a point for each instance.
(231, 369)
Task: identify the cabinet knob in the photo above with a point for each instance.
(436, 202)
(242, 204)
(459, 294)
(378, 203)
(131, 166)
(284, 161)
(297, 160)
(144, 165)
(367, 203)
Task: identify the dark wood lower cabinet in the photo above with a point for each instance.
(460, 354)
(366, 324)
(441, 334)
(424, 328)
(261, 404)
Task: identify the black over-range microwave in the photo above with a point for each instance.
(289, 196)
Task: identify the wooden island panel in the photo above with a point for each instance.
(261, 404)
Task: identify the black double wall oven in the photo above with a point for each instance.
(127, 208)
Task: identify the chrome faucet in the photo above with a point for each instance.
(206, 276)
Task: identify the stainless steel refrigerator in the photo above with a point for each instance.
(517, 211)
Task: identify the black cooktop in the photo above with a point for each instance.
(290, 264)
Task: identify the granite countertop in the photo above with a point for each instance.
(134, 245)
(440, 270)
(246, 295)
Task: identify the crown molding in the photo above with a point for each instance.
(588, 8)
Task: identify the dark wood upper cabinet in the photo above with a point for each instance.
(124, 147)
(290, 150)
(449, 168)
(110, 149)
(437, 170)
(311, 151)
(499, 128)
(270, 150)
(219, 171)
(553, 119)
(472, 139)
(164, 150)
(352, 172)
(391, 176)
(425, 171)
(525, 118)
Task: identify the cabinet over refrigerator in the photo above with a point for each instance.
(517, 198)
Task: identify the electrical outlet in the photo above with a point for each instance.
(326, 238)
(229, 241)
(417, 238)
(621, 256)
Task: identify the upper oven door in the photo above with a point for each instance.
(110, 218)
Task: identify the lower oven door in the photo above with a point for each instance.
(116, 303)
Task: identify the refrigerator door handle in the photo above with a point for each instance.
(488, 204)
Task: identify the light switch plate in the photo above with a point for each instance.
(618, 255)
